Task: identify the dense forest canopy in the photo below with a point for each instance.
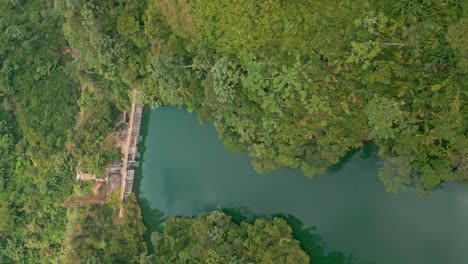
(214, 238)
(47, 128)
(38, 107)
(293, 83)
(297, 83)
(96, 234)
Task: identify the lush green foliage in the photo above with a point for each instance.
(294, 83)
(298, 83)
(40, 101)
(214, 238)
(97, 235)
(91, 142)
(38, 108)
(308, 87)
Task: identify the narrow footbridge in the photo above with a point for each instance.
(129, 151)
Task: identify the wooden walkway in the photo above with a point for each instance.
(129, 151)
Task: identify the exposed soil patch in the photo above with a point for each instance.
(98, 196)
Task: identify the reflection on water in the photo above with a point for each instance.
(186, 170)
(310, 241)
(153, 219)
(313, 244)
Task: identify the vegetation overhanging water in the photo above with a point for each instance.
(186, 170)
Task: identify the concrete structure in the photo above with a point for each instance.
(130, 150)
(114, 176)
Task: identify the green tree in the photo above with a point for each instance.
(386, 119)
(214, 238)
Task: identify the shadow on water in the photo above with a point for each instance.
(240, 214)
(313, 244)
(152, 218)
(141, 152)
(365, 152)
(310, 241)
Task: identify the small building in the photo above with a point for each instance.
(129, 182)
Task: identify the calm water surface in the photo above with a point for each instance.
(186, 170)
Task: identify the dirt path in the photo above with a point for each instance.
(125, 151)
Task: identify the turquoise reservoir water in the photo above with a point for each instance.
(186, 170)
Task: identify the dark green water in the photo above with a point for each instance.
(186, 170)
